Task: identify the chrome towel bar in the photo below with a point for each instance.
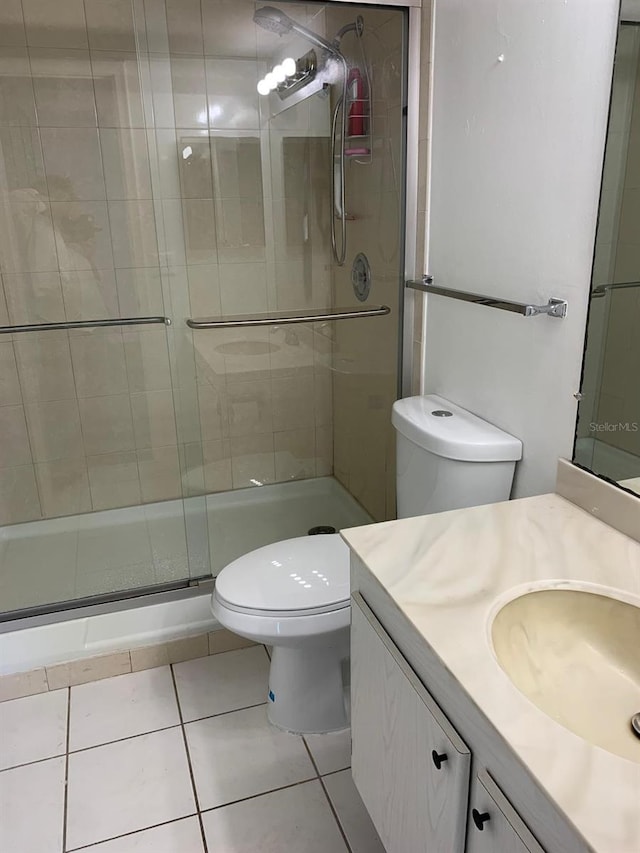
(84, 324)
(285, 318)
(553, 308)
(601, 289)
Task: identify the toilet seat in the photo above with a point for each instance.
(301, 577)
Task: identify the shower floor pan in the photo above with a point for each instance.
(118, 550)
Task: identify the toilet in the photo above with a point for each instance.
(294, 595)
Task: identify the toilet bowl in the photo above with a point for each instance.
(294, 596)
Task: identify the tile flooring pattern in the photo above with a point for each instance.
(176, 759)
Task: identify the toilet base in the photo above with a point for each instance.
(306, 693)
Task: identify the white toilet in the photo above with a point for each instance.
(294, 595)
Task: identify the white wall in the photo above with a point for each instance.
(521, 93)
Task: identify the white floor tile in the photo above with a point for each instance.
(180, 836)
(239, 755)
(32, 807)
(121, 707)
(33, 728)
(331, 752)
(354, 818)
(129, 785)
(220, 683)
(295, 819)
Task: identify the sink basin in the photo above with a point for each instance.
(576, 655)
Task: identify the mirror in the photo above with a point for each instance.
(608, 429)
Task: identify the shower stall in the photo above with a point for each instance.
(201, 256)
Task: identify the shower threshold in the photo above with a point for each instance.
(56, 563)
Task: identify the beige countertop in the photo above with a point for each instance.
(451, 572)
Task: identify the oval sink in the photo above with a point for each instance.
(576, 655)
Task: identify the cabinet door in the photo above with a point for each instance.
(409, 764)
(494, 825)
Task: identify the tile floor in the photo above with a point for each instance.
(177, 759)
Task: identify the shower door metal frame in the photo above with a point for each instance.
(200, 586)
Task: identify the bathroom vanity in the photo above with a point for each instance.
(449, 755)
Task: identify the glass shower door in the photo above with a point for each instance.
(95, 412)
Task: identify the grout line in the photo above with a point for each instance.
(188, 755)
(261, 794)
(335, 814)
(131, 834)
(128, 737)
(65, 808)
(331, 806)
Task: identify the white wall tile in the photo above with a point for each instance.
(243, 288)
(189, 91)
(18, 104)
(45, 368)
(63, 87)
(147, 358)
(14, 448)
(12, 23)
(252, 460)
(99, 365)
(72, 154)
(54, 430)
(19, 500)
(34, 297)
(159, 469)
(89, 295)
(154, 420)
(126, 163)
(107, 425)
(60, 26)
(114, 480)
(83, 236)
(64, 487)
(110, 24)
(139, 292)
(10, 392)
(117, 87)
(133, 230)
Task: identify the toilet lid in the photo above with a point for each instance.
(309, 573)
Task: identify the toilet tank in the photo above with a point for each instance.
(448, 458)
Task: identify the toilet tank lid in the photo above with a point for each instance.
(304, 573)
(460, 435)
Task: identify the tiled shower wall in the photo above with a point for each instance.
(139, 175)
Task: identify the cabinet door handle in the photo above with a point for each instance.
(480, 818)
(439, 758)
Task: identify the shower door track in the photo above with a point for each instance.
(84, 324)
(284, 319)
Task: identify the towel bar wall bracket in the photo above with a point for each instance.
(553, 308)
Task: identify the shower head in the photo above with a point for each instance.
(273, 20)
(276, 21)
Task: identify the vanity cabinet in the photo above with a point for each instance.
(494, 825)
(411, 766)
(408, 762)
